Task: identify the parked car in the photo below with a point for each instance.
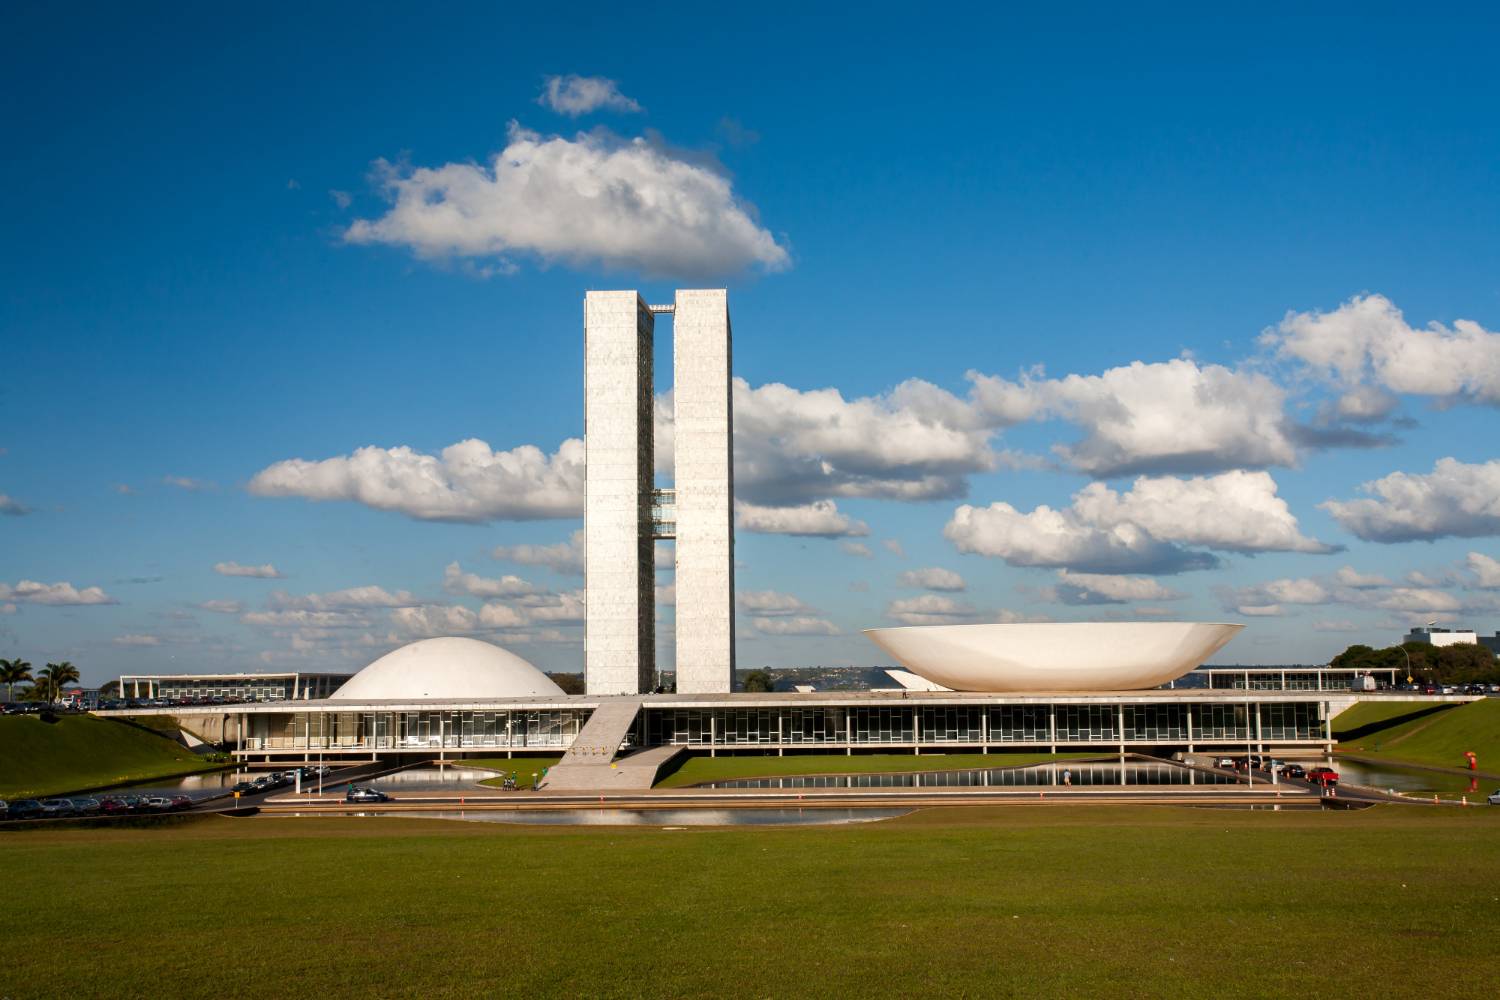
(1226, 762)
(1325, 776)
(54, 808)
(365, 795)
(1290, 771)
(113, 805)
(86, 806)
(157, 803)
(4, 809)
(25, 809)
(244, 787)
(180, 802)
(1494, 798)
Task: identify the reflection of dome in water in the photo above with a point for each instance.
(448, 668)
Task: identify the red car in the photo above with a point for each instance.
(1325, 776)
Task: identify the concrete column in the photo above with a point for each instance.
(1260, 743)
(984, 729)
(1189, 708)
(703, 477)
(1052, 726)
(916, 732)
(619, 462)
(713, 734)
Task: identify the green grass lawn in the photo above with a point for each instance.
(1439, 739)
(1367, 717)
(696, 770)
(1020, 901)
(83, 751)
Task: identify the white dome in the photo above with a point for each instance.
(447, 668)
(1084, 656)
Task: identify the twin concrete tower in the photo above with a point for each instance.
(625, 513)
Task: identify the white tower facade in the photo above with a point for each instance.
(619, 642)
(619, 462)
(703, 476)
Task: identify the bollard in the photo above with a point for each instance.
(1465, 801)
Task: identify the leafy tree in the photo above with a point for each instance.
(1464, 663)
(13, 672)
(759, 681)
(570, 683)
(55, 676)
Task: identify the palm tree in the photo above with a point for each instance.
(13, 672)
(56, 675)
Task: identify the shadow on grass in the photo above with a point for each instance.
(1359, 732)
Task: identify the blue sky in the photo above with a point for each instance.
(1212, 276)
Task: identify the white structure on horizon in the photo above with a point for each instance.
(1434, 636)
(624, 513)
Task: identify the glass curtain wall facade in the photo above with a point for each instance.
(936, 725)
(413, 731)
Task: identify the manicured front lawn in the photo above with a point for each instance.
(78, 752)
(1439, 739)
(696, 770)
(1026, 901)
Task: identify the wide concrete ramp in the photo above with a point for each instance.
(634, 772)
(594, 762)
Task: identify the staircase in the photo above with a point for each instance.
(593, 762)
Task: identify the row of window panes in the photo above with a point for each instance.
(965, 724)
(413, 730)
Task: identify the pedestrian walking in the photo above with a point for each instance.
(1067, 777)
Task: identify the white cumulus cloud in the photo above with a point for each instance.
(468, 482)
(58, 594)
(1453, 500)
(575, 95)
(1348, 576)
(1485, 569)
(341, 600)
(764, 603)
(819, 519)
(590, 200)
(1171, 416)
(929, 609)
(1106, 588)
(932, 578)
(456, 581)
(796, 626)
(1160, 525)
(561, 557)
(1367, 340)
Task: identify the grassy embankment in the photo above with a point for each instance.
(1438, 738)
(83, 751)
(1019, 901)
(697, 770)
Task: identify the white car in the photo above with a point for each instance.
(1494, 798)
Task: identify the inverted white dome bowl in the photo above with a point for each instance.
(449, 667)
(1084, 656)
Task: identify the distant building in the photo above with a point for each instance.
(1433, 636)
(291, 686)
(1491, 642)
